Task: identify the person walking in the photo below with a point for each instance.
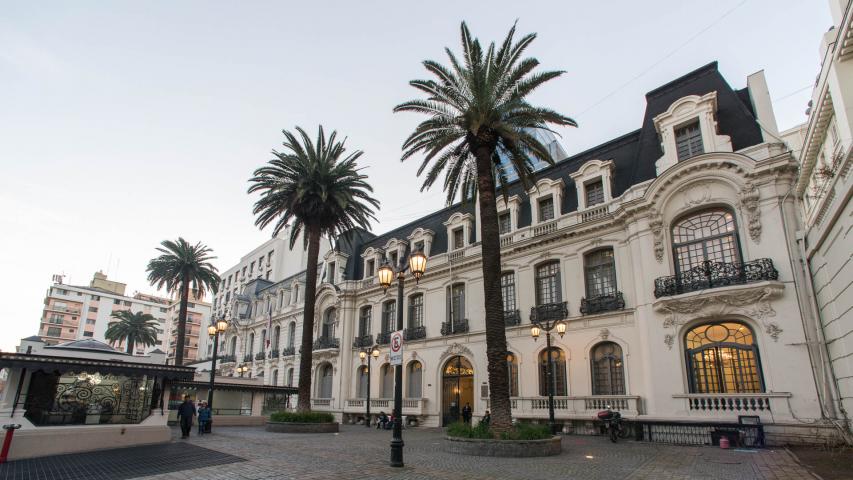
(186, 412)
(466, 413)
(487, 419)
(203, 418)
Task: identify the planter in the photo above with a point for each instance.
(503, 448)
(294, 427)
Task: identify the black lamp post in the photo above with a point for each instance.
(214, 330)
(549, 324)
(417, 264)
(365, 354)
(242, 369)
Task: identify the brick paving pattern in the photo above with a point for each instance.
(117, 464)
(358, 452)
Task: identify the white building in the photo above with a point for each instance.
(668, 251)
(824, 188)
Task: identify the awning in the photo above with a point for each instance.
(236, 386)
(71, 364)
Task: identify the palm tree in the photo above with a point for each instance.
(478, 111)
(183, 267)
(134, 327)
(319, 190)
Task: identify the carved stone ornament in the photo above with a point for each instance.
(453, 350)
(749, 197)
(669, 339)
(656, 224)
(604, 333)
(750, 302)
(696, 194)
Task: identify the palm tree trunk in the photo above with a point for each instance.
(303, 403)
(130, 343)
(182, 321)
(495, 328)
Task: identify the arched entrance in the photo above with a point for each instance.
(457, 389)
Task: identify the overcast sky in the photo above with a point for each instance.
(126, 123)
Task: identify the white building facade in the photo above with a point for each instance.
(667, 251)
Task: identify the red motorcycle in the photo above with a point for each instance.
(613, 423)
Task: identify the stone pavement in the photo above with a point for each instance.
(358, 452)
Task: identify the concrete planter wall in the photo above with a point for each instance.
(293, 427)
(503, 448)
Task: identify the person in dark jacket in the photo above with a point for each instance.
(203, 417)
(466, 413)
(186, 412)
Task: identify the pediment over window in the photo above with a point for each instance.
(459, 227)
(593, 183)
(689, 127)
(421, 239)
(546, 199)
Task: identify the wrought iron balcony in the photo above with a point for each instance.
(716, 274)
(247, 357)
(452, 328)
(326, 342)
(274, 353)
(414, 333)
(602, 303)
(225, 358)
(512, 318)
(260, 356)
(362, 341)
(286, 352)
(549, 311)
(383, 338)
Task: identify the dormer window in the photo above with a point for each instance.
(688, 141)
(458, 238)
(369, 268)
(331, 275)
(504, 223)
(419, 247)
(546, 208)
(594, 192)
(392, 257)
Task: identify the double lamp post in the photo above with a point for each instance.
(365, 354)
(386, 273)
(544, 320)
(214, 330)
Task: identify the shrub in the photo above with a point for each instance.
(521, 431)
(302, 417)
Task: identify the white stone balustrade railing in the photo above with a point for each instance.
(411, 406)
(731, 405)
(572, 407)
(321, 403)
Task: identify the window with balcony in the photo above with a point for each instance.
(508, 291)
(558, 357)
(416, 311)
(328, 326)
(688, 141)
(389, 321)
(608, 377)
(54, 331)
(458, 238)
(546, 208)
(594, 193)
(291, 335)
(548, 288)
(364, 321)
(504, 223)
(722, 357)
(705, 236)
(600, 273)
(456, 303)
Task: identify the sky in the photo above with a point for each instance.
(123, 124)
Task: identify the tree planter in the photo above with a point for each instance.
(503, 448)
(296, 427)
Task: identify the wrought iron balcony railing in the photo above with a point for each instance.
(452, 328)
(274, 353)
(326, 342)
(362, 341)
(512, 318)
(247, 357)
(225, 358)
(716, 274)
(549, 311)
(260, 356)
(286, 352)
(383, 338)
(414, 333)
(602, 303)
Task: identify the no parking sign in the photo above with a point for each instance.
(397, 347)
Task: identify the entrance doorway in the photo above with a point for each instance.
(457, 389)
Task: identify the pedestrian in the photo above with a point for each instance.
(203, 417)
(487, 418)
(382, 421)
(466, 413)
(186, 412)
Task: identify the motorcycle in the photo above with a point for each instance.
(613, 424)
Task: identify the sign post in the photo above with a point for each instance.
(397, 347)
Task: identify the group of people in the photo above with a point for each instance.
(187, 411)
(467, 413)
(385, 422)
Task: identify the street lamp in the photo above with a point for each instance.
(548, 324)
(365, 354)
(242, 369)
(214, 330)
(416, 262)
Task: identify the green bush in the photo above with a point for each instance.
(302, 417)
(520, 431)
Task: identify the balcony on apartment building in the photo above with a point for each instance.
(710, 274)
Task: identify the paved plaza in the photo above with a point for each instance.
(358, 452)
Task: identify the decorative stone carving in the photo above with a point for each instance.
(749, 197)
(669, 339)
(656, 224)
(773, 330)
(453, 350)
(604, 333)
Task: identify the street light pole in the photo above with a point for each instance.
(548, 324)
(367, 353)
(550, 374)
(214, 330)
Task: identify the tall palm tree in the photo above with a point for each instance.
(478, 111)
(182, 267)
(318, 189)
(136, 328)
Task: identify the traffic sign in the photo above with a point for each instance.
(397, 347)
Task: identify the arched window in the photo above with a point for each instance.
(364, 321)
(508, 291)
(250, 347)
(608, 377)
(414, 371)
(289, 379)
(274, 378)
(233, 348)
(559, 359)
(456, 304)
(705, 236)
(389, 316)
(291, 335)
(276, 333)
(328, 327)
(416, 310)
(387, 374)
(324, 384)
(548, 289)
(361, 382)
(512, 371)
(600, 273)
(722, 357)
(263, 345)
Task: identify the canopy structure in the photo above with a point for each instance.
(72, 364)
